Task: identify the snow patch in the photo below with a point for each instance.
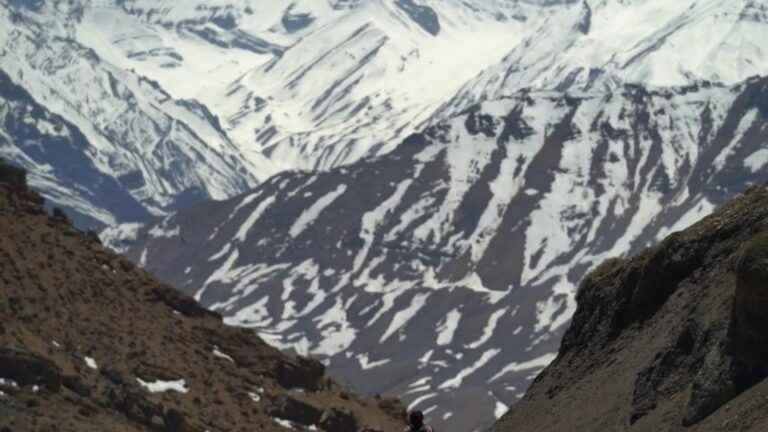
(365, 364)
(447, 328)
(222, 355)
(757, 160)
(160, 386)
(558, 309)
(402, 317)
(254, 217)
(538, 363)
(488, 329)
(500, 409)
(91, 363)
(455, 382)
(8, 383)
(315, 209)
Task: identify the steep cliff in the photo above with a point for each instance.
(673, 338)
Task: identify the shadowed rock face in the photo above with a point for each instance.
(673, 338)
(293, 22)
(424, 16)
(61, 147)
(90, 343)
(446, 271)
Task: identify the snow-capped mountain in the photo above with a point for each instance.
(66, 111)
(310, 83)
(603, 43)
(35, 137)
(180, 101)
(445, 272)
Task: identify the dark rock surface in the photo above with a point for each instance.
(294, 410)
(424, 16)
(335, 419)
(673, 338)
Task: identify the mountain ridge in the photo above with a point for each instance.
(340, 82)
(158, 150)
(479, 227)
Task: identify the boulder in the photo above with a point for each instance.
(29, 369)
(288, 408)
(134, 405)
(394, 407)
(76, 385)
(301, 373)
(338, 420)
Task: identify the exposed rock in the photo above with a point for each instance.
(729, 370)
(338, 420)
(749, 336)
(180, 302)
(134, 405)
(76, 385)
(288, 408)
(29, 369)
(115, 376)
(424, 16)
(393, 407)
(673, 338)
(12, 175)
(302, 373)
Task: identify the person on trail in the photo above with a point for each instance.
(416, 423)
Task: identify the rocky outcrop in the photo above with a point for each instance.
(89, 342)
(301, 372)
(673, 338)
(336, 419)
(27, 369)
(288, 408)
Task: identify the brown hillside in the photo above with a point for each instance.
(673, 339)
(80, 326)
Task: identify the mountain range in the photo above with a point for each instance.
(446, 271)
(169, 104)
(409, 190)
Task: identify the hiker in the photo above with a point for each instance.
(416, 423)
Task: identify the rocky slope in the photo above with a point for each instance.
(446, 271)
(672, 339)
(88, 342)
